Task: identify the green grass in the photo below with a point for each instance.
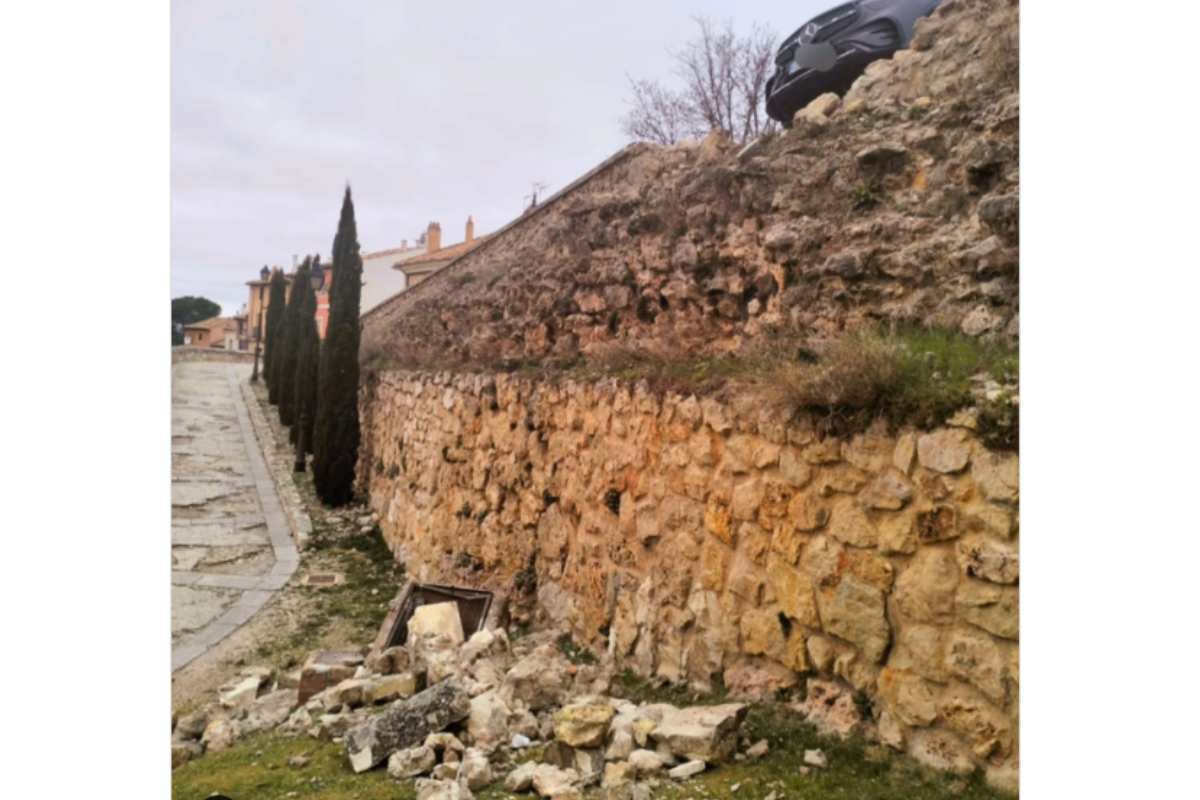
(257, 768)
(908, 376)
(348, 614)
(858, 770)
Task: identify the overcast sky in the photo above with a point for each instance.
(431, 111)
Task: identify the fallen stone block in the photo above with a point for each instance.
(191, 726)
(437, 619)
(411, 762)
(583, 724)
(521, 778)
(240, 693)
(183, 752)
(551, 781)
(406, 723)
(430, 789)
(269, 710)
(475, 769)
(389, 687)
(538, 680)
(816, 758)
(618, 773)
(688, 769)
(325, 669)
(487, 721)
(704, 733)
(219, 734)
(646, 762)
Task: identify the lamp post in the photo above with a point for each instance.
(257, 342)
(316, 280)
(264, 274)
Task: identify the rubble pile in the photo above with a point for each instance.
(459, 715)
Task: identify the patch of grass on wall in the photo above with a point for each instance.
(916, 376)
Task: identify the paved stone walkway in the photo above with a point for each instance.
(231, 547)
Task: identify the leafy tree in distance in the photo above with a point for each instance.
(289, 354)
(276, 297)
(188, 309)
(336, 431)
(307, 366)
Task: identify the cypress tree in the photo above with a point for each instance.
(336, 432)
(277, 292)
(289, 351)
(306, 368)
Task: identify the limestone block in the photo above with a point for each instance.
(988, 559)
(925, 590)
(854, 611)
(996, 474)
(890, 490)
(976, 658)
(706, 733)
(411, 762)
(849, 523)
(993, 608)
(946, 450)
(437, 619)
(406, 723)
(583, 724)
(912, 698)
(793, 591)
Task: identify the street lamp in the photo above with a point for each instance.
(263, 274)
(316, 278)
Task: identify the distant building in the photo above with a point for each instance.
(385, 274)
(226, 333)
(380, 278)
(435, 257)
(260, 298)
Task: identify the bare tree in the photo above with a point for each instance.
(723, 80)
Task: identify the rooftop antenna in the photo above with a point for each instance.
(533, 197)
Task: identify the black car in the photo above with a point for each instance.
(830, 51)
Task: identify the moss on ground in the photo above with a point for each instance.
(344, 615)
(858, 770)
(257, 768)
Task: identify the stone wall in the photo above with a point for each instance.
(186, 353)
(898, 203)
(701, 540)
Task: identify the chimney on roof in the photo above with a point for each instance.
(433, 238)
(470, 237)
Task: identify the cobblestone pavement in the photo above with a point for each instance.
(231, 546)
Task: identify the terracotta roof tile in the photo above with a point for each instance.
(446, 253)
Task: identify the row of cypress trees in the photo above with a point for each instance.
(315, 383)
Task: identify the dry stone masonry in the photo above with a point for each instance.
(898, 202)
(695, 540)
(703, 539)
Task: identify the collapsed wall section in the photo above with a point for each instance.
(703, 541)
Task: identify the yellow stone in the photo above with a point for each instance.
(793, 592)
(717, 521)
(714, 558)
